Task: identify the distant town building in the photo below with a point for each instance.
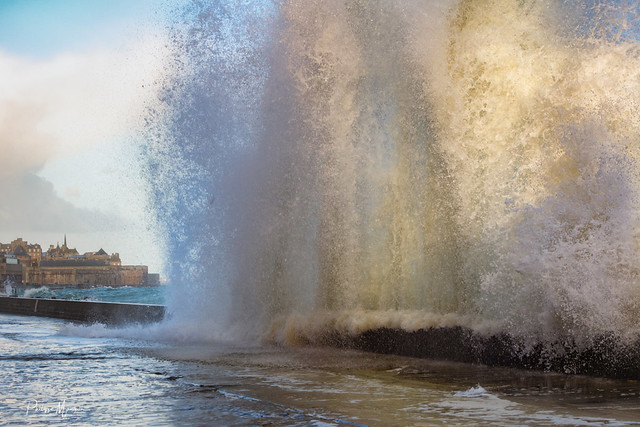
(60, 252)
(63, 256)
(22, 249)
(61, 265)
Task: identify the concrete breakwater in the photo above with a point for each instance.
(83, 311)
(606, 356)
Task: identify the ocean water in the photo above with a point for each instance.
(57, 373)
(126, 294)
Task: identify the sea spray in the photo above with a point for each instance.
(405, 165)
(543, 144)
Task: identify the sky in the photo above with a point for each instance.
(76, 77)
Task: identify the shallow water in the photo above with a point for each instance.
(53, 376)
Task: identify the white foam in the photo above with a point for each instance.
(477, 391)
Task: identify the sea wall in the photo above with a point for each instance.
(607, 355)
(83, 311)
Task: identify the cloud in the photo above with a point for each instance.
(22, 147)
(30, 203)
(80, 100)
(54, 109)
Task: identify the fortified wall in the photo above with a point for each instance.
(87, 275)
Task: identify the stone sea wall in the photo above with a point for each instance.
(83, 311)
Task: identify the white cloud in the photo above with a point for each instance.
(80, 100)
(63, 114)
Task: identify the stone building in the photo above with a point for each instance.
(10, 270)
(64, 266)
(60, 252)
(23, 249)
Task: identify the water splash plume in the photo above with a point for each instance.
(327, 165)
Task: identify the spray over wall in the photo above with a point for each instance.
(330, 165)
